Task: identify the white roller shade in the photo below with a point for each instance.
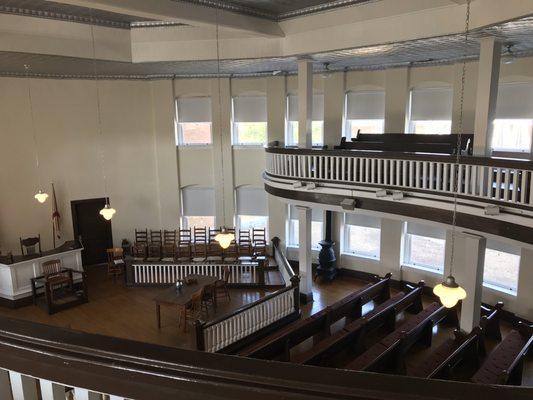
(426, 230)
(365, 105)
(504, 247)
(251, 201)
(318, 107)
(317, 214)
(198, 201)
(515, 101)
(194, 109)
(250, 109)
(367, 221)
(431, 104)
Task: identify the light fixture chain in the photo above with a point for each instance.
(459, 138)
(33, 130)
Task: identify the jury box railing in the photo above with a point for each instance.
(508, 181)
(256, 319)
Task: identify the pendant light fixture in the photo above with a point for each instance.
(40, 196)
(449, 292)
(107, 212)
(225, 237)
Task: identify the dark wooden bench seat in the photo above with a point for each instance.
(318, 325)
(504, 364)
(441, 362)
(388, 353)
(354, 333)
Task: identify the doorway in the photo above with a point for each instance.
(91, 229)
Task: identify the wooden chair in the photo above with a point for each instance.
(115, 262)
(192, 310)
(168, 249)
(209, 298)
(30, 245)
(213, 247)
(200, 242)
(154, 248)
(244, 246)
(184, 248)
(55, 276)
(140, 246)
(259, 241)
(221, 286)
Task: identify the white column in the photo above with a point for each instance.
(276, 107)
(304, 252)
(305, 102)
(524, 307)
(468, 272)
(487, 91)
(23, 387)
(333, 109)
(84, 394)
(396, 99)
(51, 390)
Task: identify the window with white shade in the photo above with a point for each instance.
(430, 111)
(424, 247)
(197, 207)
(362, 235)
(194, 121)
(513, 123)
(317, 125)
(364, 113)
(249, 120)
(317, 227)
(252, 209)
(502, 263)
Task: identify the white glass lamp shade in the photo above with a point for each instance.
(449, 292)
(41, 196)
(107, 212)
(224, 238)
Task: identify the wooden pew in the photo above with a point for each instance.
(318, 325)
(441, 363)
(388, 354)
(354, 333)
(504, 365)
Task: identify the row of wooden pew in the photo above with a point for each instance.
(357, 338)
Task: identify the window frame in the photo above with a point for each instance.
(512, 150)
(406, 258)
(348, 126)
(346, 249)
(290, 229)
(498, 287)
(179, 129)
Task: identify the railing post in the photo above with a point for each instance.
(199, 330)
(51, 390)
(295, 283)
(261, 271)
(128, 273)
(23, 387)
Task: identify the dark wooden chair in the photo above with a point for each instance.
(140, 246)
(30, 245)
(115, 262)
(221, 286)
(213, 247)
(244, 245)
(154, 247)
(184, 248)
(199, 242)
(192, 311)
(259, 241)
(55, 276)
(168, 248)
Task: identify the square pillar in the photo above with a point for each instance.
(305, 103)
(487, 92)
(304, 253)
(334, 93)
(276, 107)
(396, 99)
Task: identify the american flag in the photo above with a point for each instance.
(56, 218)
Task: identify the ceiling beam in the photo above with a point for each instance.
(183, 12)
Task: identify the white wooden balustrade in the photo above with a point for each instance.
(264, 312)
(161, 274)
(511, 185)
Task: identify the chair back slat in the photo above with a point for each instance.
(30, 245)
(51, 267)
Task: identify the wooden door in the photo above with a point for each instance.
(92, 229)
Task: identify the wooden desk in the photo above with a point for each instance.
(174, 297)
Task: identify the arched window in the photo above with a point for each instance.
(364, 112)
(249, 120)
(194, 121)
(430, 111)
(252, 208)
(198, 207)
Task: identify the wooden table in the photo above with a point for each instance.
(174, 297)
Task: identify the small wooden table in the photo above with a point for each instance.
(174, 297)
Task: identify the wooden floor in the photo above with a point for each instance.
(115, 310)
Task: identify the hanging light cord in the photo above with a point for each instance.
(33, 130)
(220, 120)
(459, 137)
(98, 113)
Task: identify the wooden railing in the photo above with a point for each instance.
(255, 319)
(52, 360)
(506, 181)
(284, 266)
(242, 273)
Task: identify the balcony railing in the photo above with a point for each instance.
(504, 181)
